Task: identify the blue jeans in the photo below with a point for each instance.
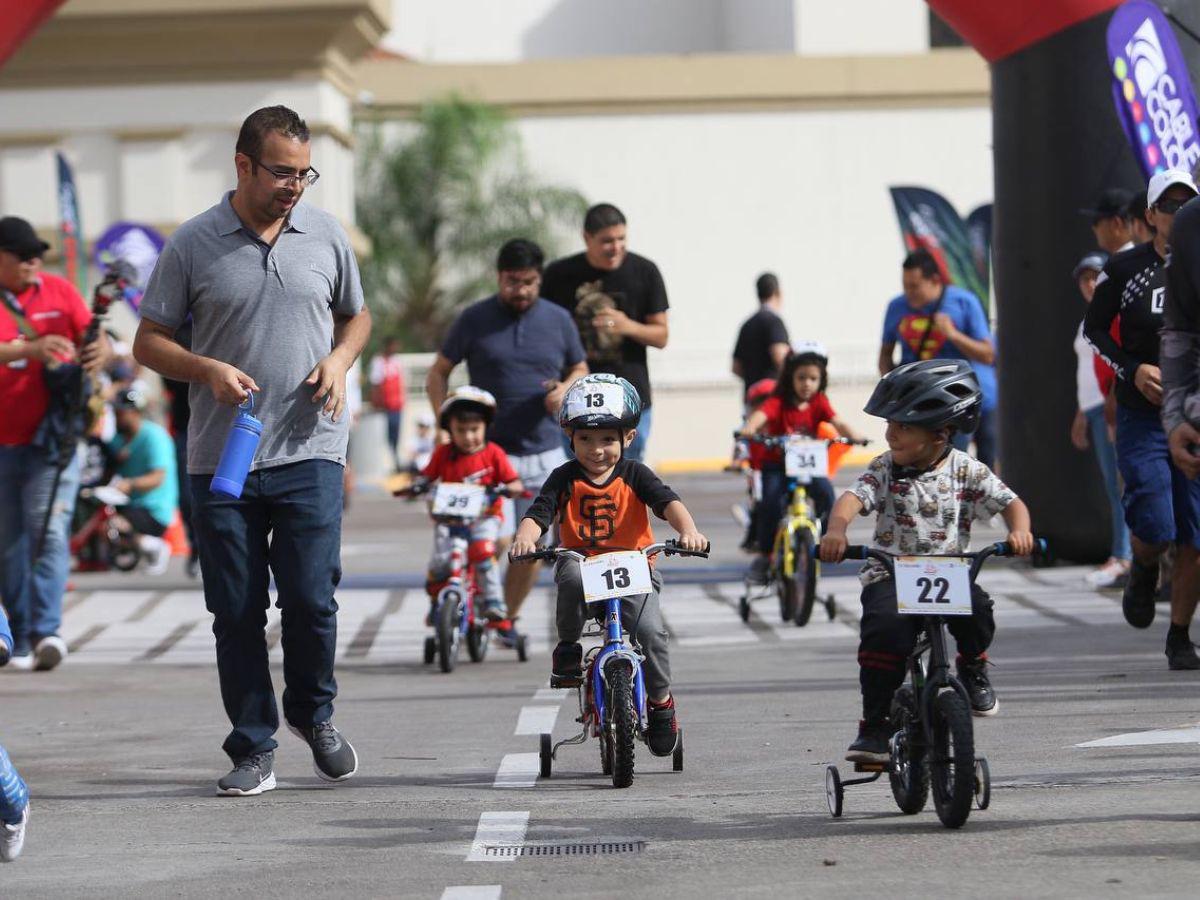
(1161, 504)
(984, 437)
(32, 590)
(1106, 456)
(288, 522)
(395, 418)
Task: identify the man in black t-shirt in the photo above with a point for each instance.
(1161, 505)
(619, 303)
(762, 344)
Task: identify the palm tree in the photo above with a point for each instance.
(437, 201)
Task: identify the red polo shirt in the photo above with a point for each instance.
(52, 306)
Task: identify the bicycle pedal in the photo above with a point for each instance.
(565, 681)
(870, 767)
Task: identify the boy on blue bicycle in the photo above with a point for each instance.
(600, 501)
(925, 496)
(470, 457)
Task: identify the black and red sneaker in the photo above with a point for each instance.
(566, 665)
(662, 729)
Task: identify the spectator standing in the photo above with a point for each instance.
(935, 320)
(1139, 229)
(1090, 428)
(273, 290)
(619, 303)
(762, 342)
(387, 392)
(42, 321)
(525, 351)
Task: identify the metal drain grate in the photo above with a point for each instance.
(595, 848)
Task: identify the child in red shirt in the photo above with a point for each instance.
(798, 406)
(471, 458)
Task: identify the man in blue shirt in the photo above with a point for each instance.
(145, 467)
(935, 320)
(526, 351)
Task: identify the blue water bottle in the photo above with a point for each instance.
(238, 452)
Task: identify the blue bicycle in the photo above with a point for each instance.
(612, 693)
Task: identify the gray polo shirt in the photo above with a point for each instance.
(267, 310)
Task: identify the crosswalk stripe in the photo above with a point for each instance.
(382, 627)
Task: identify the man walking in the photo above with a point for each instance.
(277, 309)
(762, 343)
(526, 352)
(619, 303)
(42, 321)
(935, 320)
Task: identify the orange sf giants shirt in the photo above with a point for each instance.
(596, 518)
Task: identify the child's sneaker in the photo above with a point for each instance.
(662, 731)
(871, 745)
(566, 665)
(494, 610)
(12, 837)
(973, 674)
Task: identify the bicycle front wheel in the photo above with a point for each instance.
(623, 723)
(786, 583)
(805, 556)
(449, 612)
(952, 760)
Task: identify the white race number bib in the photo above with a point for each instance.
(457, 499)
(805, 459)
(622, 574)
(933, 586)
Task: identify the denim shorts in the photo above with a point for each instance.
(1161, 504)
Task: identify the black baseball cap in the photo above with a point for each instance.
(130, 398)
(1111, 202)
(17, 236)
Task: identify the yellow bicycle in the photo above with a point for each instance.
(795, 567)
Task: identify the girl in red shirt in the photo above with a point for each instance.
(798, 406)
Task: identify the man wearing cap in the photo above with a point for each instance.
(1111, 220)
(1093, 378)
(42, 321)
(1162, 506)
(144, 455)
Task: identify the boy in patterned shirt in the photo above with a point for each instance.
(925, 495)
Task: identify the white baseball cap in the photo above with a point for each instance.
(1163, 180)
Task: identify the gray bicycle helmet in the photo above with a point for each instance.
(932, 393)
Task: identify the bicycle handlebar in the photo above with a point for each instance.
(667, 548)
(422, 487)
(782, 440)
(1000, 548)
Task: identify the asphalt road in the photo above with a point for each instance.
(121, 748)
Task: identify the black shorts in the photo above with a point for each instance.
(142, 522)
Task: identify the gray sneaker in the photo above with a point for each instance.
(333, 757)
(251, 775)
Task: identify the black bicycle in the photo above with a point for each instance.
(934, 742)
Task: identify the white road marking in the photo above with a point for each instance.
(518, 770)
(1187, 734)
(551, 695)
(536, 720)
(472, 892)
(498, 828)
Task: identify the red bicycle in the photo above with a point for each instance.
(98, 545)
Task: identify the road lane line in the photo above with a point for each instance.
(1188, 734)
(498, 829)
(536, 720)
(551, 695)
(518, 770)
(472, 892)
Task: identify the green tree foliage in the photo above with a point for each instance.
(437, 197)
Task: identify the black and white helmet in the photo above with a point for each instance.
(601, 400)
(932, 393)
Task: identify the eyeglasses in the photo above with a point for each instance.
(1170, 206)
(308, 177)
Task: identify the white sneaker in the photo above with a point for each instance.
(22, 663)
(158, 554)
(49, 652)
(12, 837)
(1108, 574)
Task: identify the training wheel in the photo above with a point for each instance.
(677, 756)
(546, 756)
(834, 792)
(831, 607)
(522, 649)
(983, 783)
(430, 649)
(744, 608)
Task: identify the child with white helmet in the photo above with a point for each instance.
(600, 500)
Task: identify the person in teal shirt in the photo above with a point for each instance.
(145, 468)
